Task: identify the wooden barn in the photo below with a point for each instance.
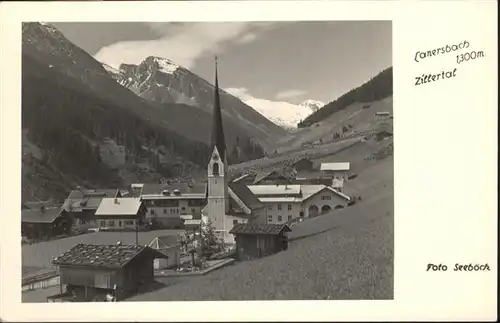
(259, 240)
(44, 222)
(303, 164)
(92, 272)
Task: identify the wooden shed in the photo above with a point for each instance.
(259, 240)
(44, 222)
(90, 272)
(303, 164)
(170, 246)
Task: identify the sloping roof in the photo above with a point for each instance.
(183, 188)
(311, 190)
(38, 204)
(260, 229)
(236, 210)
(119, 206)
(246, 195)
(274, 189)
(237, 179)
(167, 241)
(89, 199)
(40, 215)
(262, 175)
(109, 256)
(276, 194)
(78, 194)
(286, 173)
(335, 166)
(163, 242)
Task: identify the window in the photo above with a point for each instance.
(152, 211)
(280, 218)
(289, 207)
(269, 218)
(152, 202)
(269, 207)
(129, 222)
(235, 222)
(279, 207)
(326, 198)
(103, 223)
(119, 223)
(215, 182)
(111, 223)
(183, 208)
(164, 211)
(289, 218)
(193, 210)
(215, 169)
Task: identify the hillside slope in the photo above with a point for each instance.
(347, 254)
(356, 118)
(69, 124)
(377, 88)
(91, 131)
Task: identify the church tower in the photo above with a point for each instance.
(218, 198)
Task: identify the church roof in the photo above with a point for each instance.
(246, 195)
(217, 135)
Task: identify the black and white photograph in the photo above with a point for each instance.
(189, 161)
(247, 161)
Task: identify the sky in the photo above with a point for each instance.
(275, 61)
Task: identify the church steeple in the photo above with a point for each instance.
(217, 136)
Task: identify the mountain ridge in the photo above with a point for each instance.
(161, 81)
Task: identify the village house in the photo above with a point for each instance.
(284, 203)
(338, 172)
(91, 272)
(170, 247)
(82, 205)
(120, 214)
(44, 222)
(259, 240)
(169, 204)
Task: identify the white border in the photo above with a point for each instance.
(445, 160)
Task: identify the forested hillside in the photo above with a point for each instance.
(68, 122)
(377, 88)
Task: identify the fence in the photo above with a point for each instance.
(45, 280)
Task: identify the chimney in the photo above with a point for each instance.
(116, 200)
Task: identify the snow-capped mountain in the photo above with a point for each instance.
(282, 113)
(162, 81)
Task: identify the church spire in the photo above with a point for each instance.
(217, 139)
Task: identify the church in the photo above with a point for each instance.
(230, 203)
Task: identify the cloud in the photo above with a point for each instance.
(183, 43)
(288, 94)
(241, 93)
(247, 38)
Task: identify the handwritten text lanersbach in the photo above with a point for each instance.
(442, 50)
